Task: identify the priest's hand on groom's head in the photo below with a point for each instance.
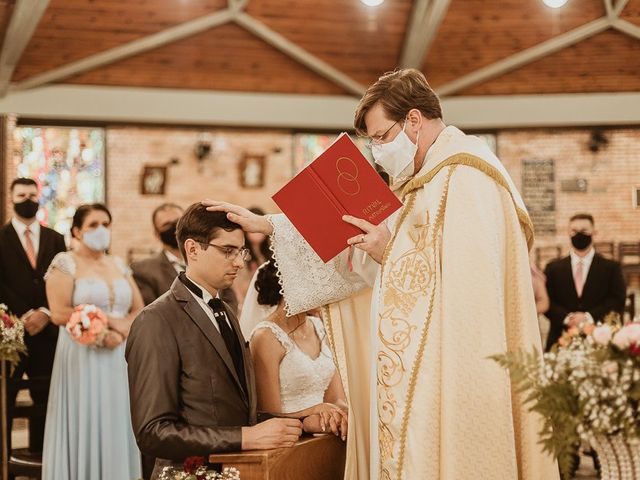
(249, 221)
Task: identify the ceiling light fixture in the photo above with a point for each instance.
(554, 3)
(372, 3)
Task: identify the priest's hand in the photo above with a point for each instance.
(374, 240)
(249, 221)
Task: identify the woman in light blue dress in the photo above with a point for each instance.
(88, 434)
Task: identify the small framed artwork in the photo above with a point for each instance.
(251, 171)
(153, 180)
(636, 197)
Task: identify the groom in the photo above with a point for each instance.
(191, 378)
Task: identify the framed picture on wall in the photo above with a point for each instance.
(153, 180)
(251, 171)
(636, 197)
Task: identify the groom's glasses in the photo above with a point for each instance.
(231, 253)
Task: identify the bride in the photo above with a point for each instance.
(295, 372)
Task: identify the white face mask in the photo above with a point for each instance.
(396, 157)
(98, 239)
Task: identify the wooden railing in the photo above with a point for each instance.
(312, 458)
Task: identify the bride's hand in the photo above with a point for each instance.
(249, 221)
(332, 418)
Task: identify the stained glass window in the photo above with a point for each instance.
(307, 146)
(69, 165)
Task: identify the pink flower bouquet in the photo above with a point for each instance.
(88, 325)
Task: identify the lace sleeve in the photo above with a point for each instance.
(306, 281)
(123, 267)
(63, 262)
(280, 334)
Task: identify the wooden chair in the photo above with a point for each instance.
(629, 258)
(312, 458)
(606, 249)
(135, 254)
(544, 255)
(21, 462)
(630, 305)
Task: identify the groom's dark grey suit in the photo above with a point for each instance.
(186, 396)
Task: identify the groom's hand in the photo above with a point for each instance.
(249, 221)
(273, 433)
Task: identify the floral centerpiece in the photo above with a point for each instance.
(586, 389)
(195, 469)
(12, 340)
(88, 325)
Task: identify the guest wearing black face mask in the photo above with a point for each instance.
(583, 287)
(26, 250)
(155, 275)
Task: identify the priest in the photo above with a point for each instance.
(449, 284)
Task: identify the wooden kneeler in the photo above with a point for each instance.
(312, 458)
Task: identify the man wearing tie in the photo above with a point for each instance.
(191, 378)
(26, 250)
(154, 275)
(584, 286)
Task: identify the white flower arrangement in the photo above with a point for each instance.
(588, 386)
(11, 336)
(195, 469)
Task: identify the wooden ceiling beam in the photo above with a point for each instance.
(526, 56)
(620, 4)
(268, 110)
(626, 27)
(298, 53)
(164, 37)
(25, 19)
(608, 7)
(426, 17)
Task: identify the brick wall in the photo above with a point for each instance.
(610, 173)
(130, 148)
(11, 158)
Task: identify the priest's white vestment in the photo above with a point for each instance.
(454, 287)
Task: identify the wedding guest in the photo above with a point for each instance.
(88, 431)
(584, 286)
(539, 282)
(190, 371)
(293, 362)
(26, 250)
(155, 275)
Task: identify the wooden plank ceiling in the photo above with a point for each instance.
(359, 41)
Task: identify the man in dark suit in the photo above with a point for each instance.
(191, 377)
(583, 287)
(155, 275)
(26, 250)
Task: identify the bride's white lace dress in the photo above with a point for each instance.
(303, 380)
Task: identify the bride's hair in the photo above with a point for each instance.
(267, 284)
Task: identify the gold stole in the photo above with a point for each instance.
(409, 281)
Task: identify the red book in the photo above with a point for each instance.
(339, 182)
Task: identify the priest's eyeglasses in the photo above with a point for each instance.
(378, 139)
(231, 253)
